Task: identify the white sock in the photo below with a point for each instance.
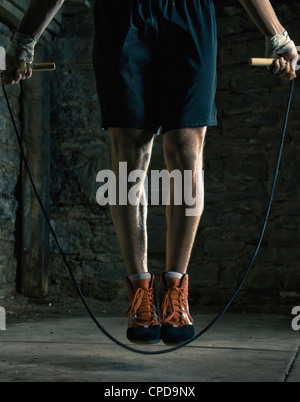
(174, 274)
(136, 277)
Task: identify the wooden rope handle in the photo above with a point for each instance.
(43, 66)
(39, 66)
(260, 62)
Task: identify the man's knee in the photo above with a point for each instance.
(131, 146)
(183, 148)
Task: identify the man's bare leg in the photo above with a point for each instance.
(134, 147)
(183, 150)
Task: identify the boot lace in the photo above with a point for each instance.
(143, 308)
(174, 308)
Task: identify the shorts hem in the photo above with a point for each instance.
(162, 129)
(189, 124)
(127, 124)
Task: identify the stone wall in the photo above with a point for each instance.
(19, 255)
(240, 158)
(240, 162)
(79, 151)
(9, 182)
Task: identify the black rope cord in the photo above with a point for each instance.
(203, 331)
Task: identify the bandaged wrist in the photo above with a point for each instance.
(22, 47)
(278, 44)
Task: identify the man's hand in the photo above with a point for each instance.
(16, 71)
(36, 19)
(286, 65)
(18, 58)
(263, 15)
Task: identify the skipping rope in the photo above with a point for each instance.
(203, 331)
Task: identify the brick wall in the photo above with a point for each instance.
(240, 158)
(9, 186)
(15, 199)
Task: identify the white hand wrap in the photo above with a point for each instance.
(22, 47)
(278, 44)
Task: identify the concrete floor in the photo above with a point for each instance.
(239, 348)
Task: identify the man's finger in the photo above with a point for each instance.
(24, 72)
(276, 67)
(286, 71)
(17, 78)
(29, 72)
(283, 64)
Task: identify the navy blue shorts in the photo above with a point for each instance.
(155, 63)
